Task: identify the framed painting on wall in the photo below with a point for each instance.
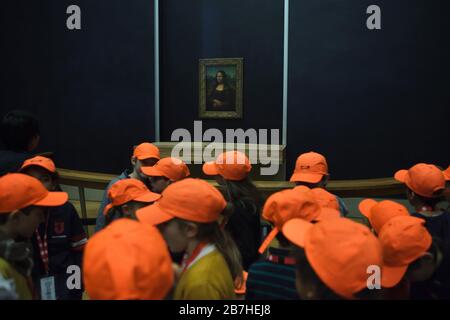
(220, 84)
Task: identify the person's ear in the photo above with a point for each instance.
(191, 230)
(133, 161)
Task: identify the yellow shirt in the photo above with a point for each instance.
(22, 287)
(209, 278)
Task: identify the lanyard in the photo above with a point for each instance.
(43, 246)
(187, 261)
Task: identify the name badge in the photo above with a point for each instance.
(48, 288)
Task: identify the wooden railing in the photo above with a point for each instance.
(383, 187)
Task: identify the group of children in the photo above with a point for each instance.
(162, 234)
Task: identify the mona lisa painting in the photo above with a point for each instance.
(221, 88)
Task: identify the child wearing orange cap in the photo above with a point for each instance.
(144, 155)
(274, 277)
(126, 197)
(311, 170)
(23, 201)
(165, 172)
(411, 255)
(62, 234)
(242, 221)
(187, 215)
(127, 260)
(333, 257)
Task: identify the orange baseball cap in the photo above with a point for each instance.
(127, 190)
(325, 199)
(310, 167)
(231, 165)
(189, 199)
(424, 179)
(127, 260)
(289, 204)
(18, 191)
(39, 161)
(381, 212)
(446, 173)
(403, 240)
(146, 150)
(339, 251)
(171, 168)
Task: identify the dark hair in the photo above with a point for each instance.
(17, 129)
(117, 212)
(323, 291)
(243, 190)
(430, 202)
(212, 233)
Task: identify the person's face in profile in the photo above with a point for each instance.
(219, 77)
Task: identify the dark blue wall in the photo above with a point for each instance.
(371, 101)
(92, 89)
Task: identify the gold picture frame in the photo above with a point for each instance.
(220, 88)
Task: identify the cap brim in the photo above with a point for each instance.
(153, 215)
(148, 197)
(210, 169)
(53, 199)
(296, 231)
(306, 177)
(328, 213)
(391, 276)
(401, 175)
(365, 207)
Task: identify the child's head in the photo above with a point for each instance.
(187, 214)
(311, 170)
(19, 131)
(23, 200)
(144, 155)
(230, 165)
(404, 240)
(425, 184)
(127, 196)
(378, 213)
(289, 204)
(127, 260)
(333, 258)
(165, 172)
(190, 200)
(44, 170)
